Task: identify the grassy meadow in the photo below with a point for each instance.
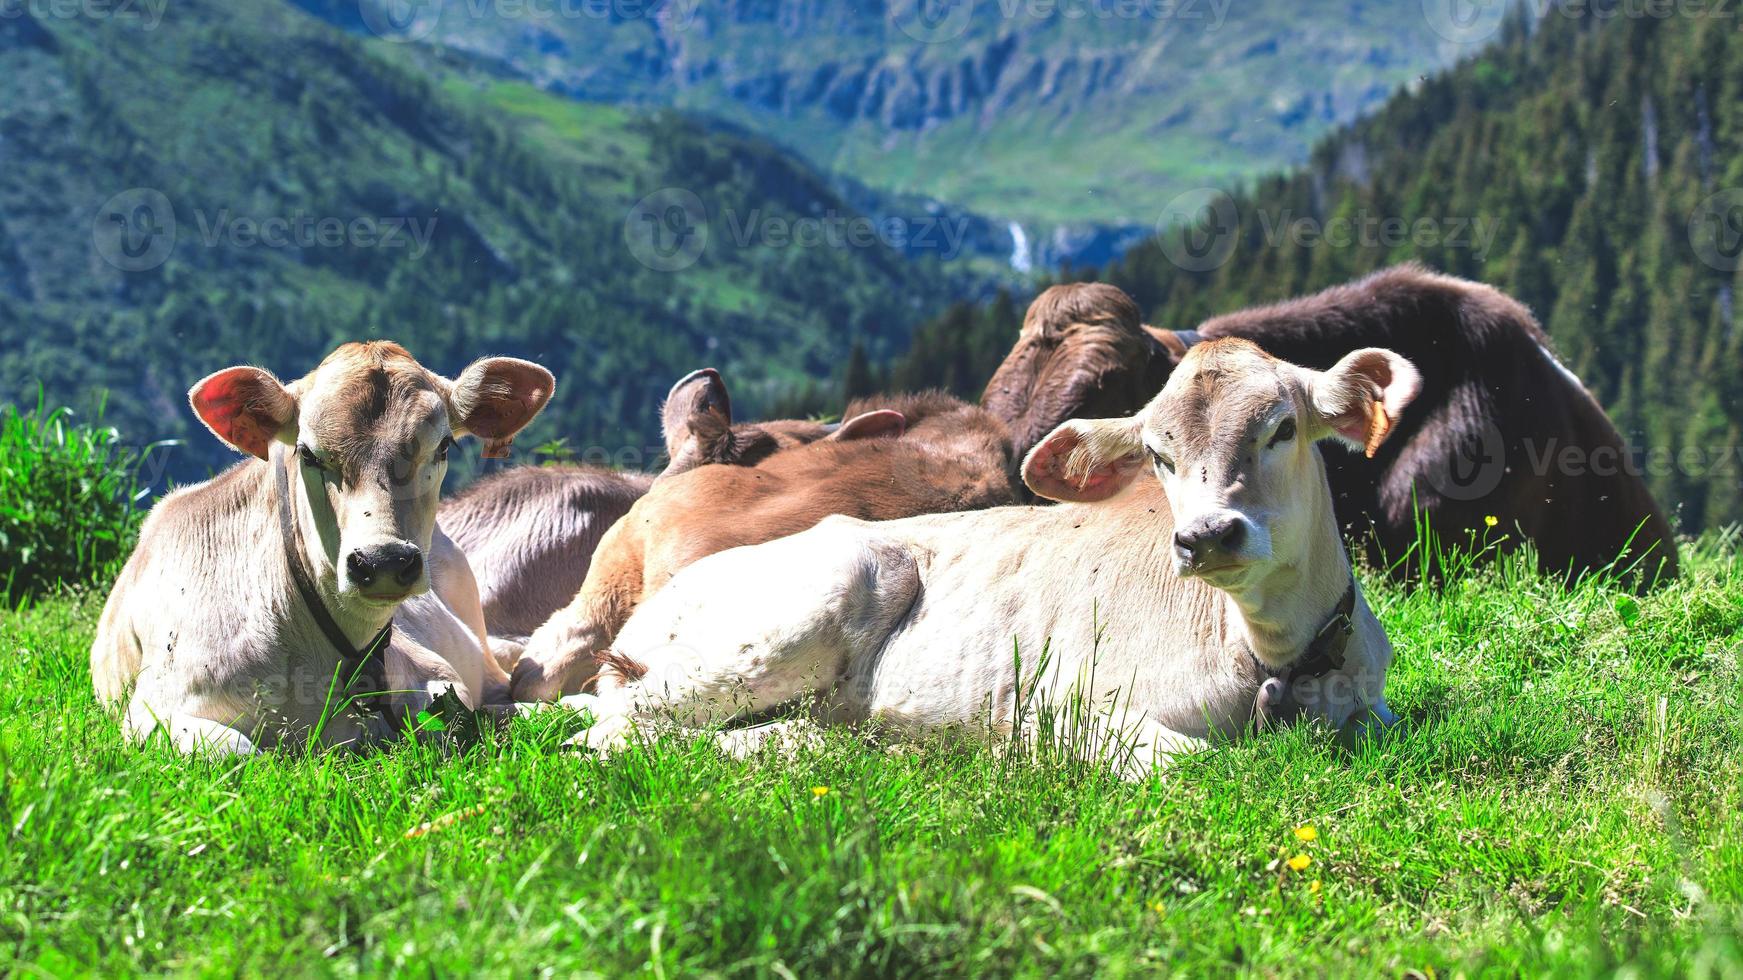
(1566, 798)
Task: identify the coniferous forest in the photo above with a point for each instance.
(1590, 164)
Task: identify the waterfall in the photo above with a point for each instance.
(1020, 258)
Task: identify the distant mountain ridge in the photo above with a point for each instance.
(1046, 112)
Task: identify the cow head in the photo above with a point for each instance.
(1232, 438)
(696, 421)
(1082, 354)
(371, 429)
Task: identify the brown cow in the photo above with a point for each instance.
(530, 532)
(952, 457)
(1486, 438)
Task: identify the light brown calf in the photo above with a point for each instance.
(952, 457)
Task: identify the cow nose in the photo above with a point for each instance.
(402, 563)
(1209, 537)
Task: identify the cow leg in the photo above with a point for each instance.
(562, 655)
(193, 735)
(785, 737)
(507, 651)
(752, 628)
(1138, 750)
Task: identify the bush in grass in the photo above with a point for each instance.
(67, 500)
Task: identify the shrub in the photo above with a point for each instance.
(67, 500)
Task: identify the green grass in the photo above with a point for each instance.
(1565, 798)
(67, 495)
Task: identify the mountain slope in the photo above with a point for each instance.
(1592, 166)
(242, 182)
(1049, 112)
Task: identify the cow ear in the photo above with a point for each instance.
(871, 425)
(1362, 396)
(495, 397)
(696, 421)
(1085, 460)
(246, 407)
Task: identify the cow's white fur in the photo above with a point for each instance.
(914, 623)
(205, 636)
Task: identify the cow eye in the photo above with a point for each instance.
(1284, 433)
(1161, 460)
(442, 448)
(310, 459)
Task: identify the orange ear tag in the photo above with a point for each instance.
(1379, 423)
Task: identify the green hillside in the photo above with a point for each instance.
(243, 182)
(1591, 166)
(1048, 112)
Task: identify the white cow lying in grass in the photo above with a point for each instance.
(256, 606)
(1221, 589)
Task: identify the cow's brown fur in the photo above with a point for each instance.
(530, 532)
(952, 457)
(1488, 384)
(1083, 353)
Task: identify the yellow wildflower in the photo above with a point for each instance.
(1313, 886)
(819, 791)
(1300, 862)
(1491, 520)
(1306, 833)
(1158, 908)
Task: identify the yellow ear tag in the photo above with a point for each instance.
(1379, 423)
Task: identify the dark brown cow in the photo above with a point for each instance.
(1501, 430)
(952, 457)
